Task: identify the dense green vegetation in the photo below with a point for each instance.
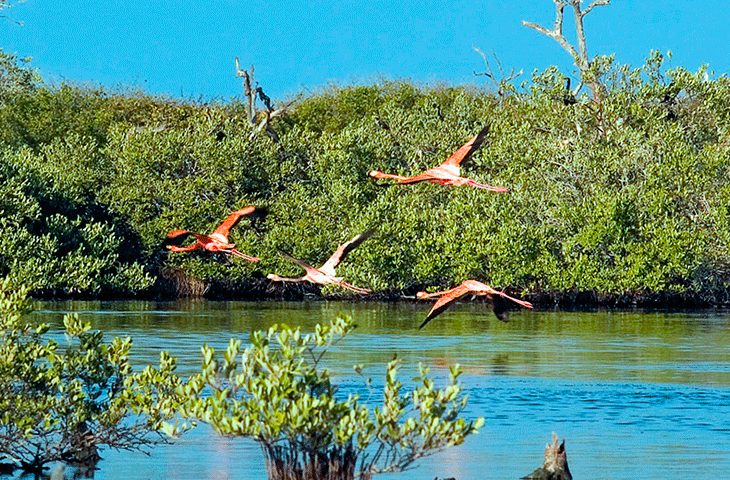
(61, 402)
(624, 200)
(276, 392)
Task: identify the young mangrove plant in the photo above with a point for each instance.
(276, 392)
(62, 401)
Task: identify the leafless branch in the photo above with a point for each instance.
(595, 3)
(247, 90)
(557, 32)
(580, 57)
(5, 5)
(260, 120)
(498, 83)
(580, 32)
(489, 72)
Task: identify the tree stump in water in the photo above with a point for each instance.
(555, 464)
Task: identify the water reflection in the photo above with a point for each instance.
(636, 395)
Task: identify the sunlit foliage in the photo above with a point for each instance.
(62, 401)
(276, 393)
(622, 202)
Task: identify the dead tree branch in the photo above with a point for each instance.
(260, 120)
(247, 90)
(503, 80)
(580, 56)
(580, 32)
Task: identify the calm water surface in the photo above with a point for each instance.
(635, 395)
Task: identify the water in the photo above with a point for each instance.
(635, 395)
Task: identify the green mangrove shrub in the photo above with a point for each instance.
(63, 401)
(276, 392)
(53, 237)
(628, 204)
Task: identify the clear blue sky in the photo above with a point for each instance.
(184, 48)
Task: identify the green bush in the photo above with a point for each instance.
(54, 240)
(626, 201)
(60, 402)
(276, 393)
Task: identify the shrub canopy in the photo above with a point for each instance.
(626, 200)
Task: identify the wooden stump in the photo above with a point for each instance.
(555, 464)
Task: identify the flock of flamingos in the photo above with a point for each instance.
(448, 173)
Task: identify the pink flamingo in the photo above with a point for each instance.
(449, 172)
(216, 241)
(325, 275)
(448, 297)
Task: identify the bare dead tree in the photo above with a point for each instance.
(261, 120)
(501, 82)
(580, 55)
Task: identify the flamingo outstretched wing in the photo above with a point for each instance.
(426, 176)
(177, 237)
(310, 269)
(352, 288)
(501, 302)
(235, 217)
(465, 151)
(447, 299)
(342, 251)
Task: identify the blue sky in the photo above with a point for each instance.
(186, 49)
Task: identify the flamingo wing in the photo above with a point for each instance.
(446, 300)
(342, 251)
(235, 217)
(426, 176)
(177, 237)
(465, 151)
(304, 265)
(352, 288)
(501, 307)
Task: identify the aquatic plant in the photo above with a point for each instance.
(276, 392)
(62, 402)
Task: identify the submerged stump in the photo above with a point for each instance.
(555, 464)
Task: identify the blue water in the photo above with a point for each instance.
(635, 395)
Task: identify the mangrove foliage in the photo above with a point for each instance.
(63, 401)
(276, 392)
(624, 201)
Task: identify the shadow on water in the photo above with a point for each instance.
(635, 394)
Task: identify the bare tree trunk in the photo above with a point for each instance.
(580, 55)
(248, 91)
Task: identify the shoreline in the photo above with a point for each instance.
(262, 289)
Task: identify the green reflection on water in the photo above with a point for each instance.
(685, 348)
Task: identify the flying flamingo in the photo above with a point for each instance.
(448, 173)
(216, 241)
(448, 297)
(325, 275)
